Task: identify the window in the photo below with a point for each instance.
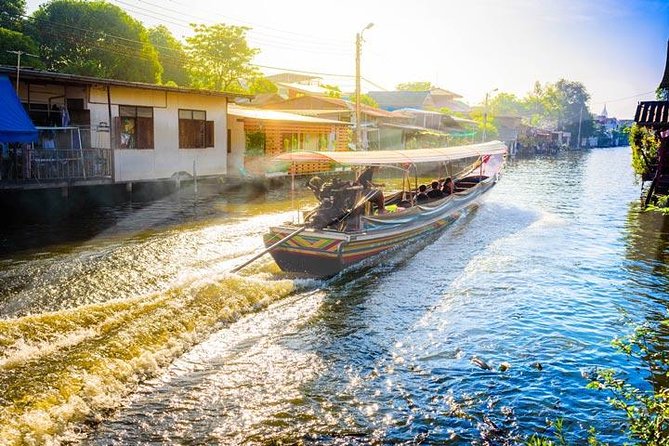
(195, 132)
(255, 143)
(135, 127)
(229, 141)
(304, 141)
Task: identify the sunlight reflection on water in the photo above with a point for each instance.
(545, 271)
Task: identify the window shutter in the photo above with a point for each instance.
(145, 133)
(209, 134)
(183, 133)
(116, 134)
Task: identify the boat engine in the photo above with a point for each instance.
(337, 199)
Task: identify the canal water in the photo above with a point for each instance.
(129, 330)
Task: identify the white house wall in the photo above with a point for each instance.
(238, 143)
(166, 159)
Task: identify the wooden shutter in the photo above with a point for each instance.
(183, 133)
(209, 134)
(116, 134)
(144, 133)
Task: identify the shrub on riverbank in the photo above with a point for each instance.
(644, 145)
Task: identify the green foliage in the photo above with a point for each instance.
(415, 86)
(94, 38)
(11, 14)
(219, 56)
(15, 41)
(505, 104)
(661, 205)
(171, 55)
(647, 410)
(644, 145)
(662, 94)
(333, 91)
(572, 98)
(491, 129)
(261, 84)
(449, 112)
(368, 100)
(255, 143)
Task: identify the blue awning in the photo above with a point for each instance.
(15, 125)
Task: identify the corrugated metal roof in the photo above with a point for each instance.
(385, 157)
(652, 114)
(304, 88)
(50, 76)
(392, 100)
(314, 104)
(443, 92)
(273, 115)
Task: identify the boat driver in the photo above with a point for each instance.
(365, 180)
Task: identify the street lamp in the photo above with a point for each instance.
(485, 114)
(358, 48)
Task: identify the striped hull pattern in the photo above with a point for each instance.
(324, 253)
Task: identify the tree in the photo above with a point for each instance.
(505, 104)
(368, 100)
(219, 56)
(333, 91)
(573, 98)
(11, 14)
(94, 38)
(490, 128)
(260, 84)
(572, 107)
(415, 86)
(171, 55)
(15, 41)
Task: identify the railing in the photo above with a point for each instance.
(61, 154)
(22, 165)
(78, 164)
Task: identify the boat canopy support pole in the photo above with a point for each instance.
(271, 248)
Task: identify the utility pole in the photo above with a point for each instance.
(358, 50)
(485, 115)
(580, 121)
(18, 65)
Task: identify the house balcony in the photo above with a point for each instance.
(61, 156)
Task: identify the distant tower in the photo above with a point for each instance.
(604, 113)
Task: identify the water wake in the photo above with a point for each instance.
(71, 366)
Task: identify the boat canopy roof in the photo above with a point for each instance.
(385, 157)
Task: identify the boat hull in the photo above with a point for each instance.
(324, 253)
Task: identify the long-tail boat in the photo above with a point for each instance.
(345, 228)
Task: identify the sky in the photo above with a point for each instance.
(616, 48)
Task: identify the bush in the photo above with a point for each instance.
(644, 145)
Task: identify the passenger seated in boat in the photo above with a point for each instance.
(365, 180)
(435, 193)
(421, 196)
(447, 188)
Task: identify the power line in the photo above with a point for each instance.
(625, 98)
(310, 41)
(62, 30)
